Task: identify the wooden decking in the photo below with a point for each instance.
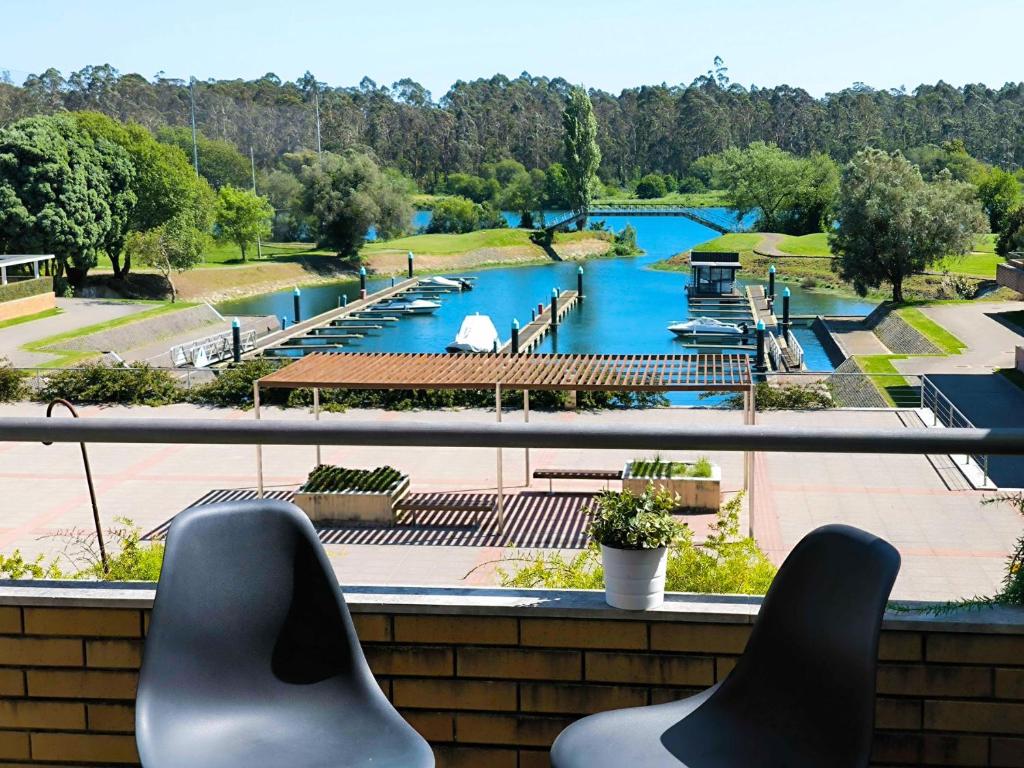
(533, 333)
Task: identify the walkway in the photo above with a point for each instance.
(855, 339)
(76, 313)
(952, 545)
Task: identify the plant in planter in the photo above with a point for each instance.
(634, 533)
(695, 485)
(337, 494)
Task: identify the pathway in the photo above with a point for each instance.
(76, 313)
(855, 339)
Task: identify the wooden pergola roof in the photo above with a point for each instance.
(626, 373)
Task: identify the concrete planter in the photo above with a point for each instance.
(634, 579)
(353, 506)
(703, 494)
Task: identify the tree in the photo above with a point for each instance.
(39, 155)
(220, 162)
(999, 193)
(893, 224)
(347, 194)
(164, 184)
(651, 186)
(241, 217)
(456, 215)
(1011, 236)
(525, 195)
(582, 154)
(789, 194)
(175, 246)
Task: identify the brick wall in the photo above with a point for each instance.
(490, 677)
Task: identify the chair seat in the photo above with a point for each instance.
(274, 733)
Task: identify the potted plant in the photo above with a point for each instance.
(634, 533)
(335, 494)
(696, 485)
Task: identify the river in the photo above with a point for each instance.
(627, 308)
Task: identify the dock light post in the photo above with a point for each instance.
(236, 340)
(771, 283)
(410, 263)
(297, 304)
(362, 282)
(785, 311)
(343, 300)
(579, 283)
(515, 337)
(759, 364)
(554, 307)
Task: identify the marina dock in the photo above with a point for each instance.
(534, 332)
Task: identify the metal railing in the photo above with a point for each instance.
(212, 349)
(774, 351)
(951, 417)
(797, 348)
(1002, 441)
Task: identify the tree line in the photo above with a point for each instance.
(662, 129)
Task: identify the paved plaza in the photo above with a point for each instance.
(952, 545)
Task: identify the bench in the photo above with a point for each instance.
(412, 507)
(577, 474)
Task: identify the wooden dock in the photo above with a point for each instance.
(760, 309)
(360, 309)
(534, 332)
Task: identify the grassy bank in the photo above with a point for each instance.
(711, 199)
(806, 259)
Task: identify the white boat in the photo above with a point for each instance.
(707, 326)
(455, 283)
(413, 306)
(477, 334)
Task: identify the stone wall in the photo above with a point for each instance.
(897, 334)
(490, 676)
(146, 330)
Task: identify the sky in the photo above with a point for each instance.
(821, 45)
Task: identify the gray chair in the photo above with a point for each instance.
(801, 696)
(252, 660)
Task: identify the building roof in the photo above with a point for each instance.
(715, 259)
(623, 373)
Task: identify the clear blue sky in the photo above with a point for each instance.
(821, 45)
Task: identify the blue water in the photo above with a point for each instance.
(627, 308)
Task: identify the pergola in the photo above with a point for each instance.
(572, 373)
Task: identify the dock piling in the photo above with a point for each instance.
(362, 282)
(410, 263)
(515, 337)
(554, 308)
(297, 304)
(771, 284)
(759, 363)
(236, 340)
(785, 310)
(579, 283)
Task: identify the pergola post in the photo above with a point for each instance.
(500, 483)
(750, 475)
(316, 417)
(526, 420)
(259, 448)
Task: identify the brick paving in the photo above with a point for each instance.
(952, 545)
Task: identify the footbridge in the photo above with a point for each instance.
(721, 222)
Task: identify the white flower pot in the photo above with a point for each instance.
(634, 579)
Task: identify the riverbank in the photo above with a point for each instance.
(433, 254)
(808, 262)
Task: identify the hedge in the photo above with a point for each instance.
(21, 289)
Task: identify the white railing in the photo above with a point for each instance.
(212, 349)
(774, 351)
(795, 348)
(948, 415)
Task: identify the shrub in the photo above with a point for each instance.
(650, 186)
(655, 468)
(134, 384)
(783, 397)
(808, 283)
(15, 566)
(12, 382)
(726, 563)
(622, 520)
(625, 242)
(233, 386)
(327, 478)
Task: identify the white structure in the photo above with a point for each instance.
(14, 260)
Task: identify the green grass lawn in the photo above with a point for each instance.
(446, 245)
(986, 243)
(889, 382)
(734, 241)
(932, 331)
(227, 255)
(51, 344)
(806, 245)
(974, 264)
(712, 199)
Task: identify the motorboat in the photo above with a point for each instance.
(707, 326)
(477, 334)
(455, 284)
(409, 306)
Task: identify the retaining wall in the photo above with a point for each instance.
(491, 676)
(28, 305)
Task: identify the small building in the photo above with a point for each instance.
(713, 273)
(24, 290)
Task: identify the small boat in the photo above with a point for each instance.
(454, 283)
(708, 326)
(477, 334)
(411, 307)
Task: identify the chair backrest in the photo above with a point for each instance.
(247, 606)
(810, 664)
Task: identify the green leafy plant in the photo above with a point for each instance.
(659, 468)
(726, 563)
(134, 384)
(12, 382)
(15, 566)
(622, 520)
(327, 478)
(783, 397)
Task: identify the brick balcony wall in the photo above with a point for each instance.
(490, 677)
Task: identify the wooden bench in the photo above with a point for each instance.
(412, 507)
(576, 474)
